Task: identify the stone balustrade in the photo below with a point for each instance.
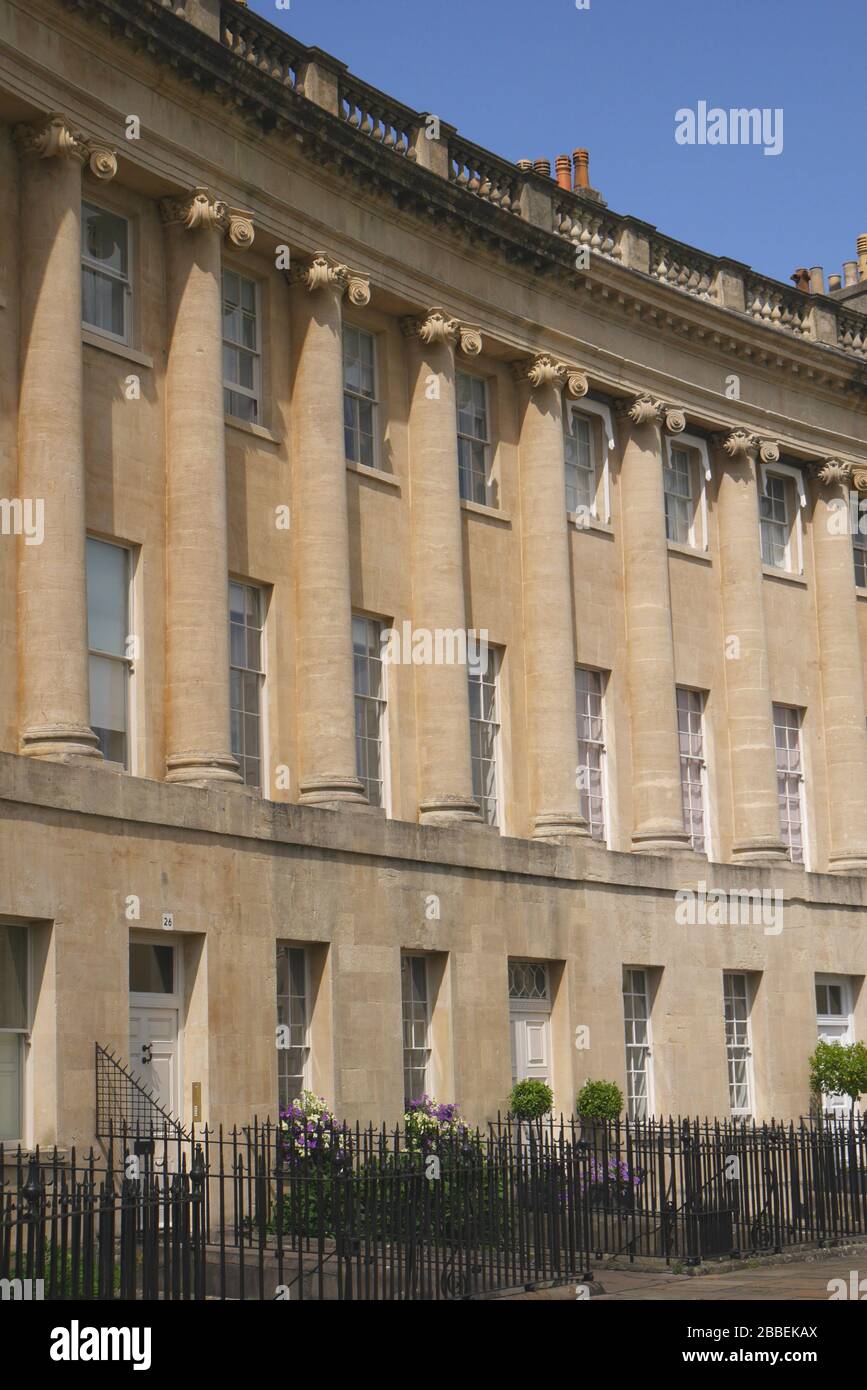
(587, 227)
(852, 332)
(372, 114)
(774, 304)
(494, 180)
(683, 268)
(250, 39)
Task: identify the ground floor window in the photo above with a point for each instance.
(636, 1016)
(14, 1028)
(293, 1021)
(415, 1004)
(736, 992)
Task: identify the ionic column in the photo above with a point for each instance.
(442, 697)
(549, 647)
(55, 700)
(324, 683)
(842, 671)
(756, 814)
(198, 735)
(656, 788)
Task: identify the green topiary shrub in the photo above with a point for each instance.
(838, 1069)
(599, 1100)
(530, 1100)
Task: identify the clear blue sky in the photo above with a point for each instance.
(536, 78)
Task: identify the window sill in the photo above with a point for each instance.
(785, 576)
(96, 340)
(859, 592)
(493, 513)
(376, 475)
(247, 427)
(576, 521)
(689, 551)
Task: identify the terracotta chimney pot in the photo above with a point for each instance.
(564, 172)
(834, 283)
(817, 280)
(801, 278)
(582, 168)
(862, 257)
(543, 167)
(850, 272)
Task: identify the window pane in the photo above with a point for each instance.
(11, 1068)
(13, 977)
(104, 238)
(151, 969)
(107, 597)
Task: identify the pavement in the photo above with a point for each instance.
(802, 1280)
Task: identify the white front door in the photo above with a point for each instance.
(531, 1047)
(153, 1051)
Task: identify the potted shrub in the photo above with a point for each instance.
(530, 1100)
(838, 1069)
(599, 1104)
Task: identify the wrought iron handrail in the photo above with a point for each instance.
(125, 1104)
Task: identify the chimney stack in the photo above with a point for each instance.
(582, 169)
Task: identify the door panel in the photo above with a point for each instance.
(153, 1050)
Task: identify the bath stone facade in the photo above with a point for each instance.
(287, 367)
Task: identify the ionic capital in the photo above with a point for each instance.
(645, 409)
(834, 472)
(322, 273)
(545, 370)
(53, 137)
(859, 479)
(200, 209)
(437, 327)
(742, 444)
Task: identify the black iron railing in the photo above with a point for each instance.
(323, 1211)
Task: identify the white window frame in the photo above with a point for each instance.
(382, 701)
(602, 745)
(605, 433)
(129, 662)
(801, 776)
(746, 1046)
(25, 1116)
(687, 759)
(647, 1047)
(373, 401)
(486, 442)
(836, 1105)
(428, 1047)
(127, 281)
(495, 656)
(256, 353)
(795, 544)
(306, 1045)
(700, 474)
(264, 596)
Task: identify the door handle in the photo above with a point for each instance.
(146, 1054)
